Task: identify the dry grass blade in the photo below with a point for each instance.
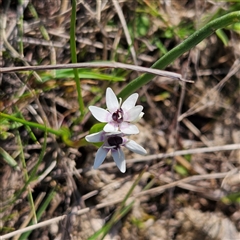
(99, 65)
(125, 28)
(159, 156)
(13, 52)
(27, 220)
(158, 190)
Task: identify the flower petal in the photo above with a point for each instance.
(130, 102)
(111, 101)
(111, 127)
(134, 147)
(100, 114)
(138, 118)
(133, 113)
(119, 159)
(95, 137)
(128, 128)
(116, 133)
(100, 156)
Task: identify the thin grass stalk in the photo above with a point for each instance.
(40, 158)
(45, 35)
(32, 175)
(74, 57)
(20, 26)
(40, 212)
(29, 217)
(29, 130)
(26, 177)
(120, 212)
(4, 40)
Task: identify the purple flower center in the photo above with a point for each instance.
(118, 116)
(115, 142)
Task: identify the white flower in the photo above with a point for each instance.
(113, 142)
(119, 117)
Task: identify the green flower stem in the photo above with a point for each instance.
(74, 57)
(33, 124)
(183, 47)
(29, 130)
(64, 133)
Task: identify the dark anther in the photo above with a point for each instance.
(118, 116)
(115, 141)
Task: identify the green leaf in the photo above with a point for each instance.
(188, 157)
(160, 46)
(181, 170)
(231, 198)
(236, 27)
(8, 159)
(142, 25)
(222, 35)
(5, 135)
(97, 128)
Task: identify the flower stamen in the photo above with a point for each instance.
(118, 116)
(115, 142)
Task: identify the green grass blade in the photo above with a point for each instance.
(119, 213)
(40, 212)
(40, 158)
(64, 133)
(8, 159)
(74, 57)
(26, 177)
(82, 73)
(32, 124)
(29, 130)
(183, 47)
(222, 35)
(32, 175)
(117, 218)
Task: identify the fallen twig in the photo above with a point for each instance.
(97, 65)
